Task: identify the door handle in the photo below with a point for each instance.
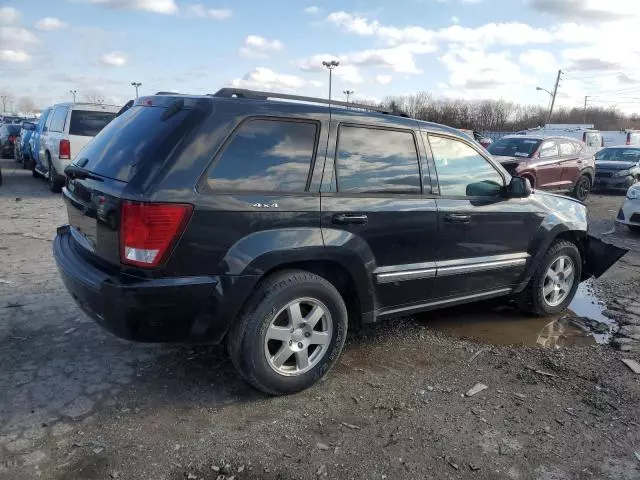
(457, 218)
(345, 218)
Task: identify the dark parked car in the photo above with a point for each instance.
(276, 226)
(22, 151)
(555, 164)
(617, 168)
(8, 136)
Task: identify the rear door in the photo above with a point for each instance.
(548, 166)
(374, 200)
(55, 133)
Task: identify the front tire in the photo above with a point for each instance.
(290, 333)
(583, 188)
(555, 281)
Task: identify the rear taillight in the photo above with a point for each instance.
(12, 138)
(148, 230)
(65, 150)
(628, 139)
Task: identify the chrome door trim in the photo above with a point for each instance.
(401, 276)
(475, 296)
(417, 271)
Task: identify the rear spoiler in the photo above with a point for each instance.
(126, 107)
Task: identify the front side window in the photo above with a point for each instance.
(462, 171)
(372, 160)
(549, 149)
(567, 148)
(57, 119)
(266, 155)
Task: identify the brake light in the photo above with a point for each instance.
(628, 139)
(12, 138)
(65, 150)
(148, 230)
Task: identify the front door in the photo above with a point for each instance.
(483, 236)
(548, 166)
(374, 203)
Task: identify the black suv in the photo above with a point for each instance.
(277, 225)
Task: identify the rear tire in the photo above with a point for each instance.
(273, 342)
(54, 184)
(538, 297)
(582, 188)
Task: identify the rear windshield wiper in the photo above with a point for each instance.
(74, 171)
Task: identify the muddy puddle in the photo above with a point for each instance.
(500, 324)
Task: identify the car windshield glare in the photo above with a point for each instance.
(631, 155)
(515, 147)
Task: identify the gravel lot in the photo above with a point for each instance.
(78, 403)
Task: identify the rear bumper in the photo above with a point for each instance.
(176, 309)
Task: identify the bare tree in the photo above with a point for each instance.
(27, 105)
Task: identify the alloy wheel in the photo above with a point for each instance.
(583, 188)
(558, 281)
(298, 337)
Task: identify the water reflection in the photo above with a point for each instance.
(500, 324)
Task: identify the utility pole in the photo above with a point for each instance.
(348, 93)
(73, 93)
(330, 65)
(4, 103)
(584, 115)
(136, 85)
(553, 97)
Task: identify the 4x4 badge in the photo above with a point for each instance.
(265, 205)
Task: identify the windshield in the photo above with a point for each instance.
(515, 147)
(631, 155)
(88, 123)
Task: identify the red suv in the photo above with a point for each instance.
(556, 164)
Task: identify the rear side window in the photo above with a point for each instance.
(266, 155)
(86, 123)
(371, 160)
(132, 138)
(592, 139)
(58, 119)
(549, 149)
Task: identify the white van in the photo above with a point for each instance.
(69, 127)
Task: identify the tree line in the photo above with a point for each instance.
(501, 115)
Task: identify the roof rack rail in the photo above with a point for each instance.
(167, 93)
(258, 95)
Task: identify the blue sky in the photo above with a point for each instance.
(471, 49)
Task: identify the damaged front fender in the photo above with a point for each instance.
(599, 257)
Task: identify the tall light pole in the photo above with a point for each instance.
(73, 93)
(555, 93)
(136, 85)
(4, 103)
(330, 65)
(348, 93)
(584, 115)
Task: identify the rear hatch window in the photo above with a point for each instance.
(138, 135)
(87, 123)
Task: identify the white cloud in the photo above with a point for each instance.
(16, 37)
(9, 15)
(348, 73)
(114, 59)
(259, 47)
(316, 83)
(312, 10)
(156, 6)
(263, 78)
(200, 11)
(384, 79)
(48, 24)
(539, 60)
(18, 56)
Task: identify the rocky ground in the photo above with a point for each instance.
(77, 403)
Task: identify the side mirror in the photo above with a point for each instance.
(519, 188)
